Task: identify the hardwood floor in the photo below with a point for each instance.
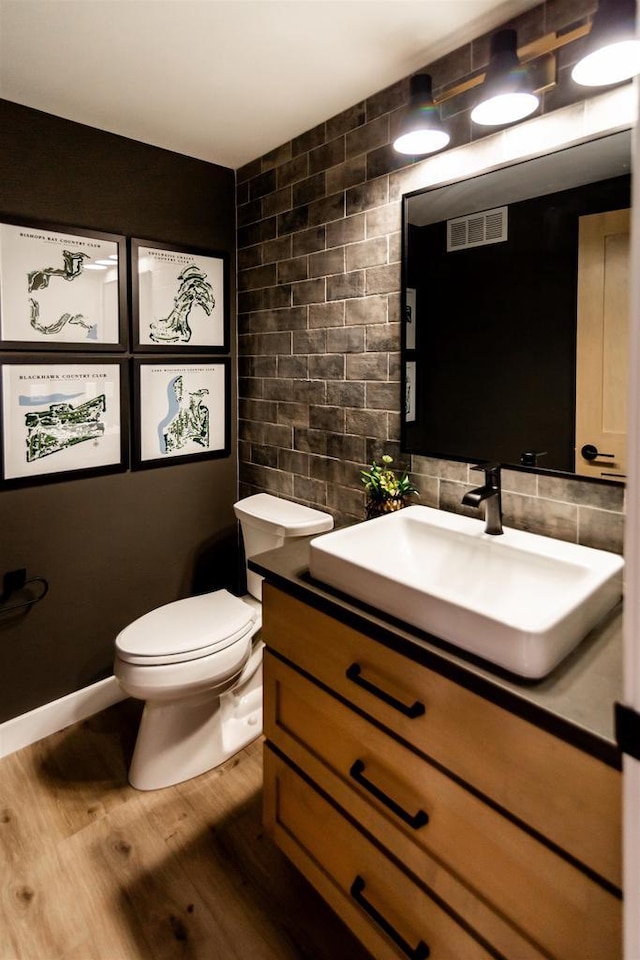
(95, 870)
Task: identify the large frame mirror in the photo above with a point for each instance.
(515, 307)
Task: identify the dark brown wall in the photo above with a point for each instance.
(112, 547)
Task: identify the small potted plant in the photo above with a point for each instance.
(386, 491)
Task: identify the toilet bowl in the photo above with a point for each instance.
(197, 663)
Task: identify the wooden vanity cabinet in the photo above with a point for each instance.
(435, 822)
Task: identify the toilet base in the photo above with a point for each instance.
(182, 739)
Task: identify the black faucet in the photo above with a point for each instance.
(490, 493)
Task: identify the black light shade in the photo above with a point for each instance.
(506, 94)
(422, 130)
(612, 52)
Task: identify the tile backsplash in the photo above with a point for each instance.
(319, 249)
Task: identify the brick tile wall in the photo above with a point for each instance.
(319, 249)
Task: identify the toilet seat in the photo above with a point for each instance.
(186, 630)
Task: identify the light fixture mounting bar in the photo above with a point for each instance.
(541, 47)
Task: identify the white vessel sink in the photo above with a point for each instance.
(520, 600)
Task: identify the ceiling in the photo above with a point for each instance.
(223, 80)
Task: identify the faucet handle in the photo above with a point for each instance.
(529, 458)
(487, 467)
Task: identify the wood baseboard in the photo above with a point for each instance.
(51, 717)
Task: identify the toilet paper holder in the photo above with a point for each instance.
(14, 581)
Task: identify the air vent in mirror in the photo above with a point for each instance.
(477, 229)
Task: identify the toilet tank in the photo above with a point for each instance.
(267, 521)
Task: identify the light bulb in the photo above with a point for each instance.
(421, 141)
(611, 64)
(504, 108)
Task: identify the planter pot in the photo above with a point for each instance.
(378, 508)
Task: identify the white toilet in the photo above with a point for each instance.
(198, 662)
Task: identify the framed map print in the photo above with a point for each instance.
(180, 410)
(63, 419)
(61, 288)
(179, 299)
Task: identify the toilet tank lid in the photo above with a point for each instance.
(186, 629)
(291, 519)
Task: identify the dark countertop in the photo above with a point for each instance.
(575, 702)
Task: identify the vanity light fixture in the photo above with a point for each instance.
(422, 130)
(612, 52)
(506, 94)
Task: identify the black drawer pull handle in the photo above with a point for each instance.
(415, 710)
(421, 952)
(420, 819)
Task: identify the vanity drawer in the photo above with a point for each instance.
(567, 795)
(391, 914)
(428, 821)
